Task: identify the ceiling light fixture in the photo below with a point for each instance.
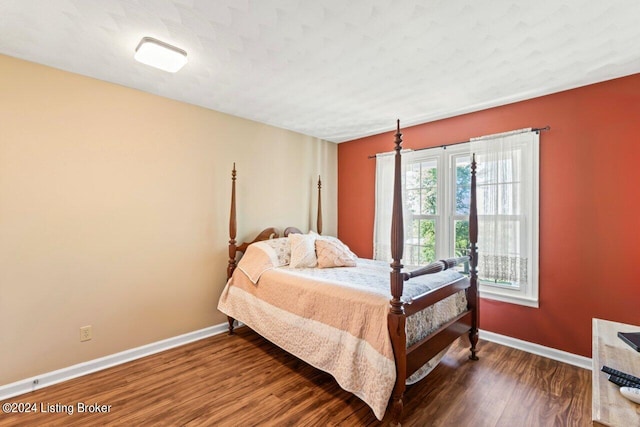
(160, 55)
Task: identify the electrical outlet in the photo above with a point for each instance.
(85, 333)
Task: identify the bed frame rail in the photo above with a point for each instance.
(423, 301)
(425, 349)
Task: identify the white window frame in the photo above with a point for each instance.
(437, 216)
(526, 294)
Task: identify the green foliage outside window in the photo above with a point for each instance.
(422, 248)
(463, 198)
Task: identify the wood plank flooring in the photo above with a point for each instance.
(244, 380)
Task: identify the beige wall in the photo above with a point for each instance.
(114, 212)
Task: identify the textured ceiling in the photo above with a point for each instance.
(335, 69)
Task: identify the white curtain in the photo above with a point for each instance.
(385, 166)
(506, 186)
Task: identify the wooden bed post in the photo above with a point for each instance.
(397, 316)
(473, 302)
(319, 218)
(232, 236)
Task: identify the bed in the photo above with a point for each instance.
(340, 314)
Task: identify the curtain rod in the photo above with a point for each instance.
(537, 130)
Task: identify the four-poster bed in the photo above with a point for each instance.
(306, 310)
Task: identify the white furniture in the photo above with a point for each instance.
(609, 407)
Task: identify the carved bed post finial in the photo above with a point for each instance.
(472, 291)
(319, 218)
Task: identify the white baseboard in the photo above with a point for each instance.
(64, 374)
(540, 350)
(50, 378)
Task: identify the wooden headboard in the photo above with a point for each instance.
(266, 234)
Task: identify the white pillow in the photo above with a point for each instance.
(331, 252)
(281, 250)
(303, 251)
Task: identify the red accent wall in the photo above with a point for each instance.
(589, 206)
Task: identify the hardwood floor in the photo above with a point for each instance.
(244, 380)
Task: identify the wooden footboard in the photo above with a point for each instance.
(409, 360)
(424, 350)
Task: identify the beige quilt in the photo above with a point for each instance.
(334, 319)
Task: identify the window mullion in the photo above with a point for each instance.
(446, 223)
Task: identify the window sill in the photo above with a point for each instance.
(496, 295)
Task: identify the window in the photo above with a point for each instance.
(421, 198)
(437, 195)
